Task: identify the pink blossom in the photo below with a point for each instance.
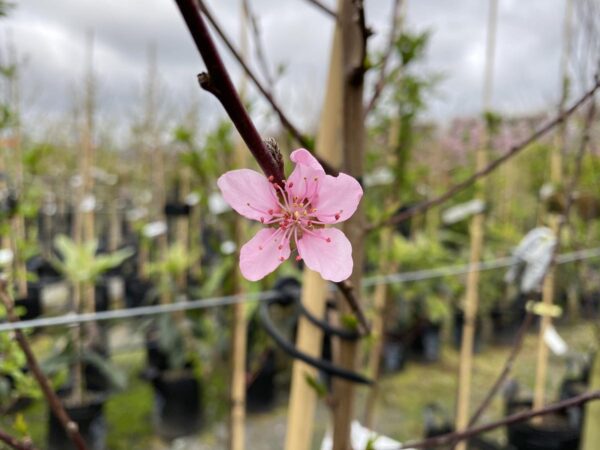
(298, 213)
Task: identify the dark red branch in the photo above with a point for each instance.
(13, 442)
(380, 84)
(218, 82)
(512, 419)
(508, 365)
(323, 8)
(266, 93)
(53, 401)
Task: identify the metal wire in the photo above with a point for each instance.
(419, 275)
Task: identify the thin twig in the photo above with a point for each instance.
(258, 45)
(509, 420)
(452, 191)
(348, 290)
(380, 84)
(266, 93)
(330, 12)
(54, 402)
(518, 343)
(508, 365)
(218, 82)
(13, 442)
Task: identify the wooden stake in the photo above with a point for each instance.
(556, 173)
(591, 430)
(353, 42)
(476, 244)
(378, 329)
(18, 222)
(237, 431)
(303, 398)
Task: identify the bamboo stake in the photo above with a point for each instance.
(554, 220)
(18, 222)
(476, 244)
(380, 305)
(303, 398)
(237, 431)
(591, 431)
(353, 43)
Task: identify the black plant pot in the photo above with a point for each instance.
(177, 209)
(506, 320)
(393, 356)
(89, 417)
(137, 292)
(427, 343)
(32, 304)
(261, 391)
(177, 404)
(459, 320)
(157, 361)
(554, 432)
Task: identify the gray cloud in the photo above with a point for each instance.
(52, 35)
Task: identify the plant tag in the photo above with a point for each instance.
(363, 438)
(217, 204)
(88, 204)
(531, 258)
(55, 298)
(154, 229)
(541, 309)
(6, 256)
(192, 199)
(554, 342)
(464, 210)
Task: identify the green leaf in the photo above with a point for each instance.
(316, 385)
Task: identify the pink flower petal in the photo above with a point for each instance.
(301, 182)
(304, 157)
(333, 259)
(338, 198)
(245, 186)
(261, 255)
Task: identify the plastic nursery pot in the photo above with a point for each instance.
(261, 391)
(137, 292)
(459, 320)
(506, 319)
(393, 356)
(177, 404)
(89, 417)
(552, 432)
(427, 344)
(177, 209)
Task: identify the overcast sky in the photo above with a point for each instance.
(51, 35)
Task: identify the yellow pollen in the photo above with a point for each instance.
(296, 214)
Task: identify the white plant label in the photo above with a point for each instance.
(154, 229)
(55, 298)
(217, 204)
(554, 342)
(361, 436)
(6, 256)
(192, 199)
(88, 203)
(532, 257)
(463, 211)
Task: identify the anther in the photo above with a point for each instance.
(281, 258)
(298, 258)
(328, 240)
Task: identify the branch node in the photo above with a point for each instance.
(274, 152)
(206, 83)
